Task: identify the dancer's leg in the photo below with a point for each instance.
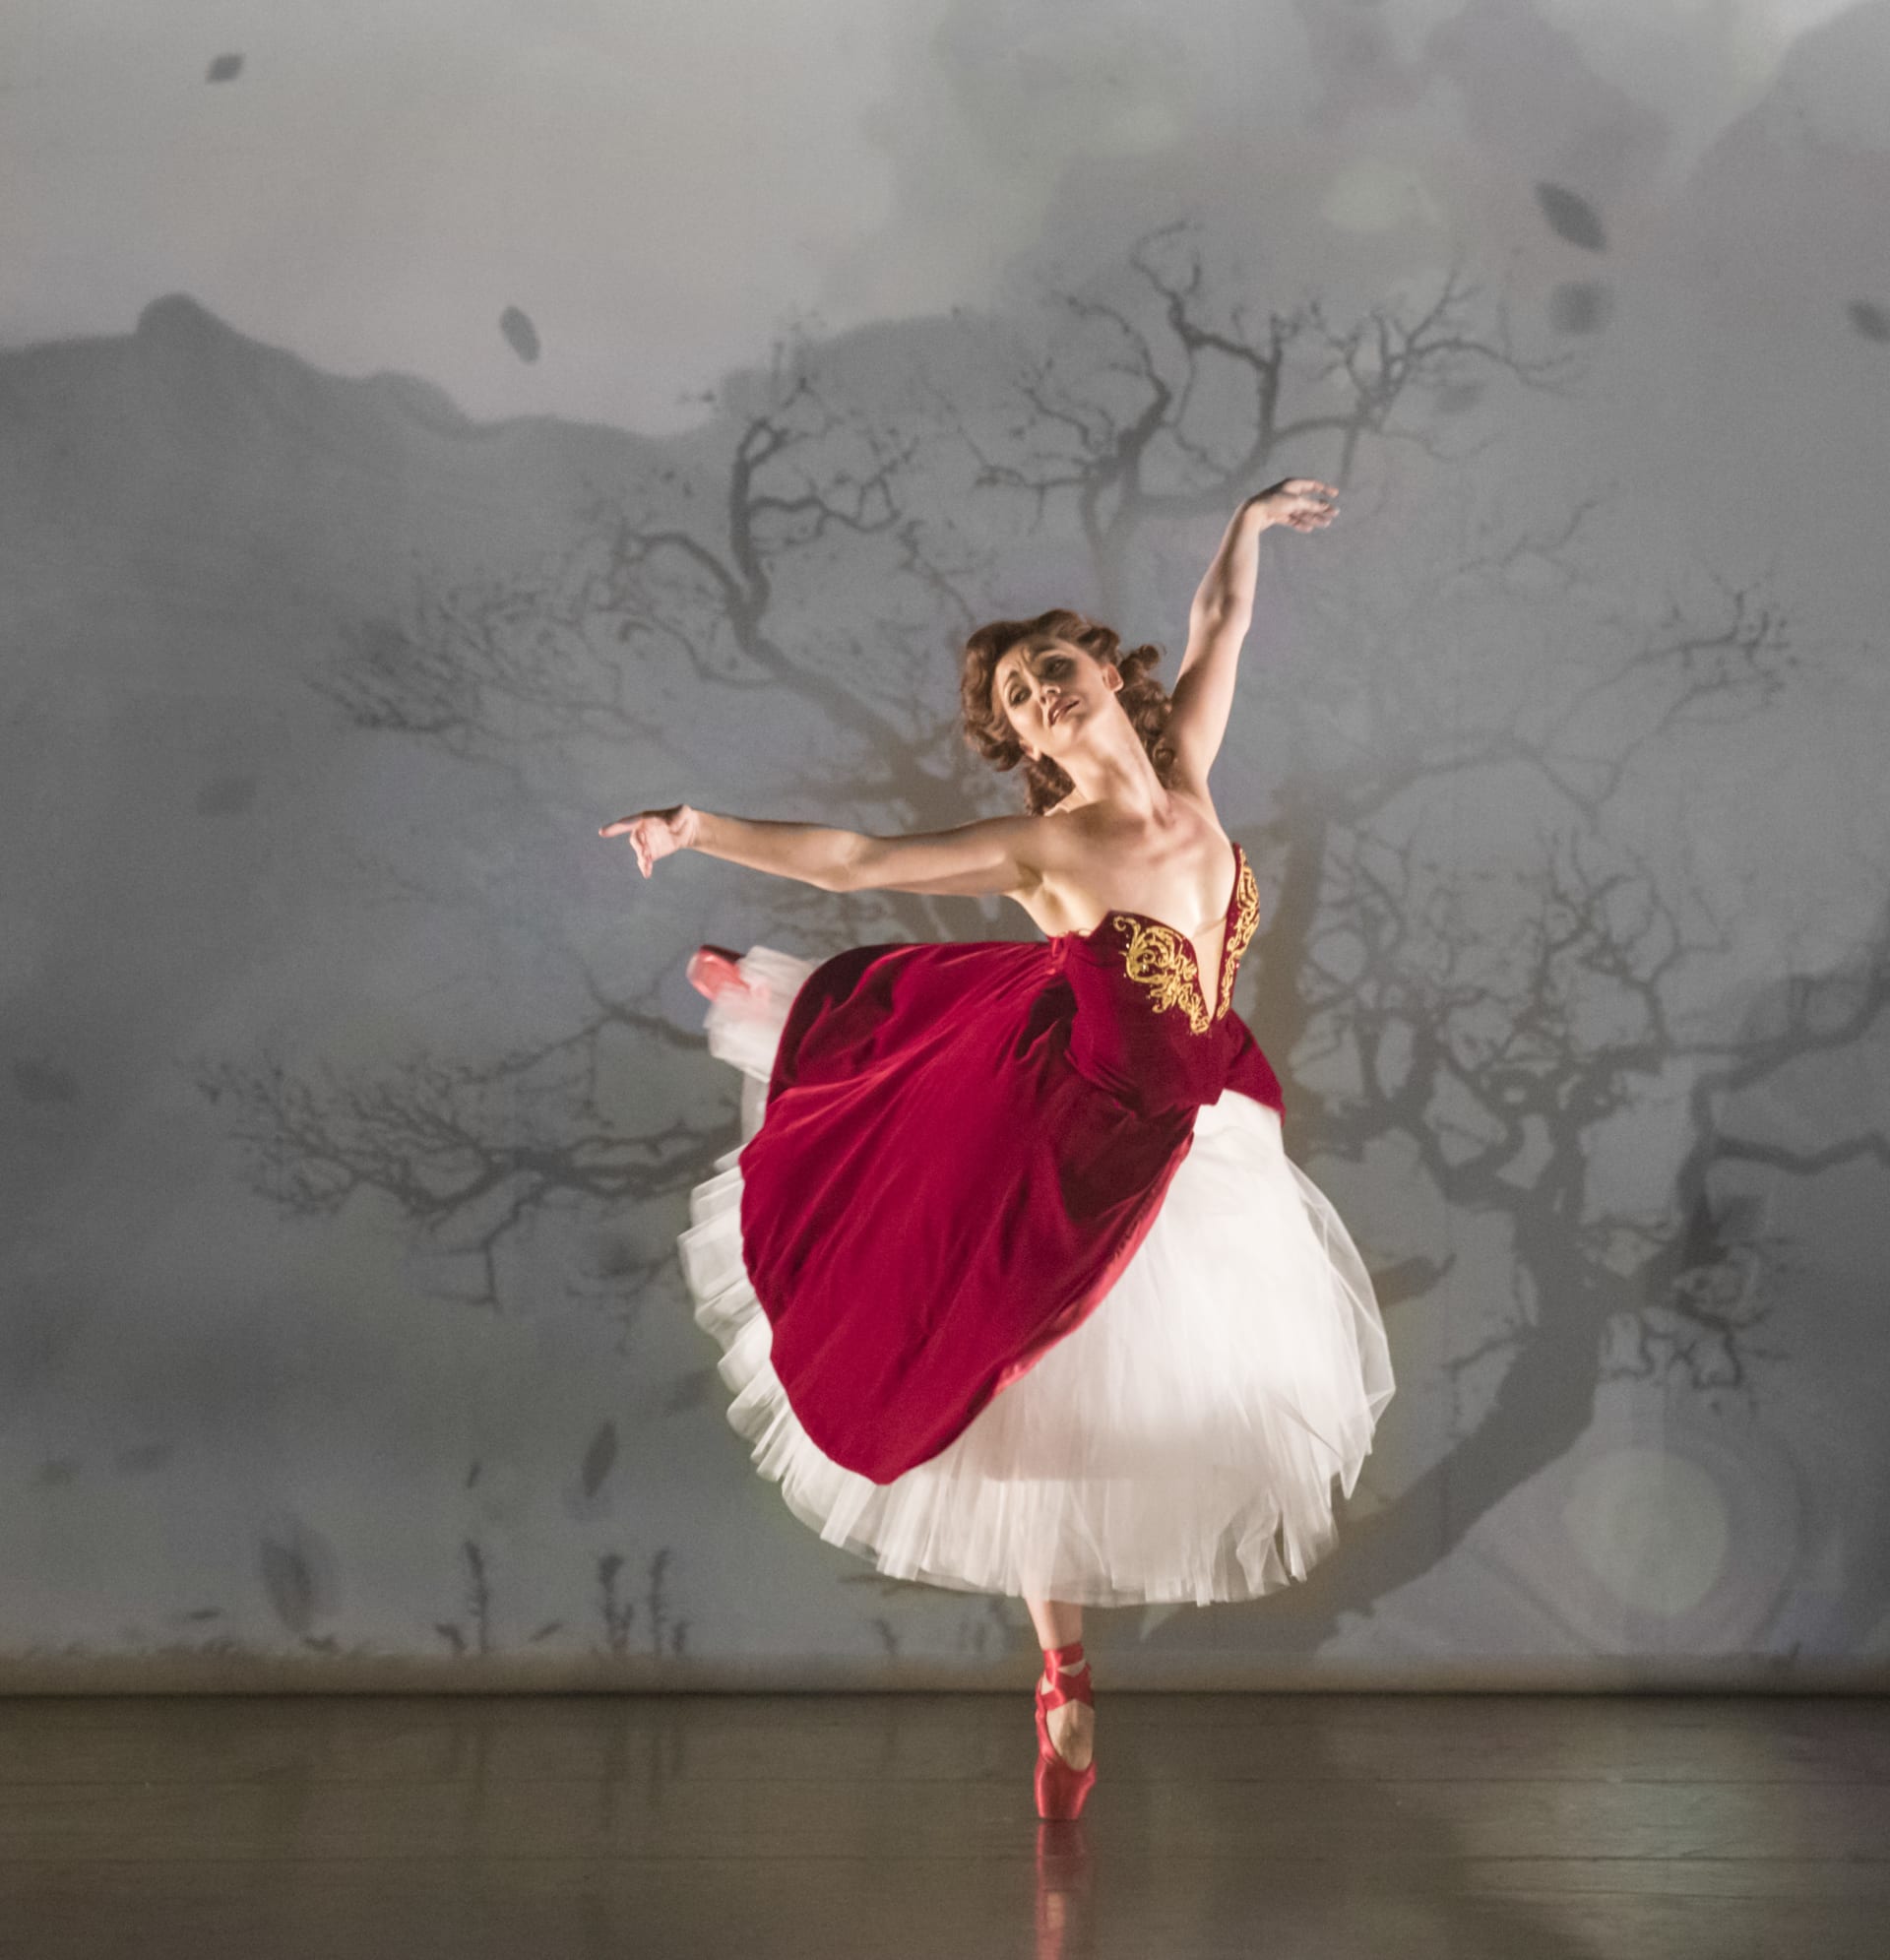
(1073, 1726)
(1057, 1622)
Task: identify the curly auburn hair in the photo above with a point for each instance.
(987, 731)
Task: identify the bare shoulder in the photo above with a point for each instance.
(1092, 860)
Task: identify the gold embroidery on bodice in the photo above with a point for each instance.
(1158, 957)
(1247, 917)
(1161, 960)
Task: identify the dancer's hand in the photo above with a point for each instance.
(1304, 502)
(654, 834)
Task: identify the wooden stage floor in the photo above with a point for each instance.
(772, 1827)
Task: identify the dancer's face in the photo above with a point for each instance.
(1051, 693)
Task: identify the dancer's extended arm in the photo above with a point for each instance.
(1221, 612)
(994, 856)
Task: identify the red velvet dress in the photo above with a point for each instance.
(961, 1163)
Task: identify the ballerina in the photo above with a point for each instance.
(1015, 1286)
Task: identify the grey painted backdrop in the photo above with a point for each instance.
(353, 1088)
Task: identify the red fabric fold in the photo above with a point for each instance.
(964, 1146)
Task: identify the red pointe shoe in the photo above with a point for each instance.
(712, 972)
(1061, 1790)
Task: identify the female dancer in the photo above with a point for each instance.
(1014, 1283)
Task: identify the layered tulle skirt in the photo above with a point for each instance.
(1182, 1443)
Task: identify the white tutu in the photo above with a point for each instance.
(1180, 1444)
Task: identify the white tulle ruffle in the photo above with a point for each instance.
(1181, 1444)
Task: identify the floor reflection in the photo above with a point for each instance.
(1063, 1928)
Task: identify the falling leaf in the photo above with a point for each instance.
(1581, 306)
(1571, 218)
(599, 1458)
(225, 68)
(298, 1574)
(1869, 319)
(689, 1391)
(520, 333)
(289, 1584)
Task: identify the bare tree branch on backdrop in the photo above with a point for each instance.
(1487, 970)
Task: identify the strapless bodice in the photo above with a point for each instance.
(1143, 1025)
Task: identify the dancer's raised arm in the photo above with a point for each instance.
(1221, 612)
(993, 856)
